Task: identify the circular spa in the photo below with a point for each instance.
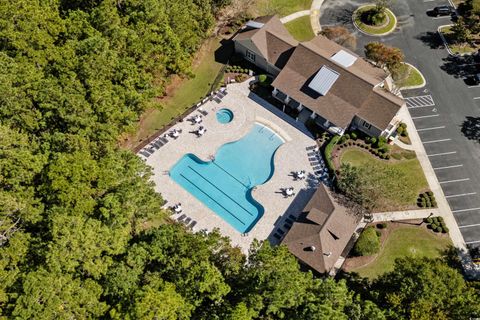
(224, 115)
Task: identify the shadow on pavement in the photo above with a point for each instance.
(431, 39)
(471, 128)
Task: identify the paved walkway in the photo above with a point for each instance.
(315, 16)
(405, 215)
(295, 15)
(443, 208)
(403, 145)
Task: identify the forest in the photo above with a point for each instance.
(74, 76)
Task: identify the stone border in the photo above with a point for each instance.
(416, 86)
(445, 43)
(373, 34)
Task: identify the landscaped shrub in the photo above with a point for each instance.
(262, 78)
(368, 243)
(429, 220)
(378, 233)
(343, 139)
(328, 153)
(439, 229)
(382, 225)
(347, 136)
(368, 140)
(433, 226)
(445, 230)
(402, 130)
(373, 140)
(353, 135)
(381, 142)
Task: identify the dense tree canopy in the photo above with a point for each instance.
(74, 75)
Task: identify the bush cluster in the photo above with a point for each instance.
(436, 224)
(368, 243)
(238, 69)
(382, 225)
(426, 200)
(328, 153)
(402, 129)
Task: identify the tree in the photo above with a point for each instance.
(340, 35)
(461, 32)
(384, 56)
(368, 243)
(426, 289)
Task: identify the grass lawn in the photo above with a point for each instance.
(412, 78)
(400, 181)
(402, 242)
(461, 48)
(186, 93)
(300, 28)
(372, 29)
(281, 7)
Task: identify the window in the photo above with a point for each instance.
(250, 55)
(366, 125)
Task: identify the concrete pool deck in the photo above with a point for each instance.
(290, 156)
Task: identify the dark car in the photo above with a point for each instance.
(474, 79)
(443, 11)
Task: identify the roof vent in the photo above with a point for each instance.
(344, 58)
(254, 24)
(323, 80)
(312, 248)
(328, 254)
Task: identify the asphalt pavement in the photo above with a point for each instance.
(446, 111)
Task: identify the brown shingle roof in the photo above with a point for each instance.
(272, 40)
(327, 227)
(354, 93)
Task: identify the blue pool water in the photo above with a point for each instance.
(224, 115)
(225, 184)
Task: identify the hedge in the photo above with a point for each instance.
(368, 243)
(328, 153)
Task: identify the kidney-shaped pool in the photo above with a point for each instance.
(225, 184)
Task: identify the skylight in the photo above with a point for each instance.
(344, 58)
(323, 80)
(254, 24)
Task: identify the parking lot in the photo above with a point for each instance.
(450, 163)
(446, 112)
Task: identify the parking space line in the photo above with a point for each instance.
(431, 128)
(456, 180)
(476, 98)
(461, 195)
(442, 17)
(469, 225)
(449, 167)
(472, 242)
(429, 116)
(441, 154)
(477, 86)
(435, 141)
(465, 210)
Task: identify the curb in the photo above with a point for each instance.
(419, 85)
(372, 34)
(445, 43)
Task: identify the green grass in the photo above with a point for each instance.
(188, 92)
(281, 7)
(413, 78)
(400, 181)
(457, 48)
(371, 29)
(300, 28)
(402, 242)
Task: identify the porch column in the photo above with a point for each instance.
(300, 107)
(275, 91)
(287, 99)
(313, 115)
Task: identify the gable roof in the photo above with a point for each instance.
(272, 40)
(323, 232)
(356, 92)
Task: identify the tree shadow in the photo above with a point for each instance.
(471, 128)
(460, 67)
(431, 39)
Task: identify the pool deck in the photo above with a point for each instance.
(290, 156)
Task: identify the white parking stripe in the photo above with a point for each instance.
(442, 17)
(469, 87)
(449, 167)
(457, 180)
(429, 116)
(435, 141)
(469, 225)
(461, 195)
(472, 242)
(432, 128)
(419, 101)
(476, 98)
(465, 210)
(441, 154)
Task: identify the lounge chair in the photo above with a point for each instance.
(187, 221)
(183, 216)
(193, 224)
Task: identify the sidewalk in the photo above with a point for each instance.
(405, 215)
(315, 16)
(294, 16)
(443, 207)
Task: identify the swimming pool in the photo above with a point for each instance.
(225, 184)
